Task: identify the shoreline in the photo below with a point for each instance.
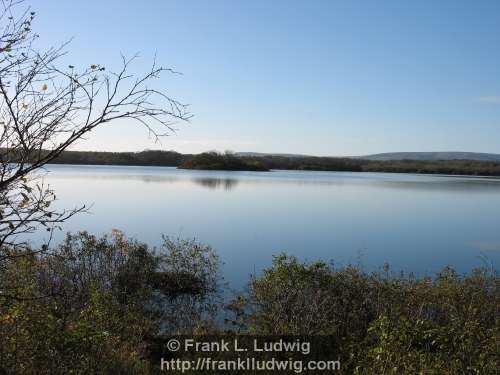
(471, 176)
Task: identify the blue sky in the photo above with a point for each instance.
(315, 77)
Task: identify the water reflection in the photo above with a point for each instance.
(227, 181)
(213, 183)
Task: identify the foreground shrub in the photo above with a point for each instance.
(94, 305)
(108, 305)
(382, 323)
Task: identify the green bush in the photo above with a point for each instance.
(382, 323)
(106, 305)
(94, 305)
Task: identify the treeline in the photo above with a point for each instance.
(452, 167)
(308, 163)
(214, 161)
(109, 305)
(143, 158)
(223, 162)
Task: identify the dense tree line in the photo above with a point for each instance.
(144, 158)
(214, 161)
(452, 167)
(224, 162)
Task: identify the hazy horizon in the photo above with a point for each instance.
(323, 78)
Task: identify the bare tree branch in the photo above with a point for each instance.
(45, 108)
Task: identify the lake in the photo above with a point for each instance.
(416, 223)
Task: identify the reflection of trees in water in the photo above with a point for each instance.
(208, 182)
(327, 179)
(216, 183)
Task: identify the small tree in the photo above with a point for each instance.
(45, 108)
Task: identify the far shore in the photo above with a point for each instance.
(233, 162)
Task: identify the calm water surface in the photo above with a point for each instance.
(415, 223)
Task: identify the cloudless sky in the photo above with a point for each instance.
(314, 77)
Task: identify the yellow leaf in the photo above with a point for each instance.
(44, 87)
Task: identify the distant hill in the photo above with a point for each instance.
(430, 156)
(424, 156)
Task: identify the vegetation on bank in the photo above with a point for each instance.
(383, 323)
(451, 167)
(105, 305)
(144, 158)
(222, 162)
(94, 305)
(267, 162)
